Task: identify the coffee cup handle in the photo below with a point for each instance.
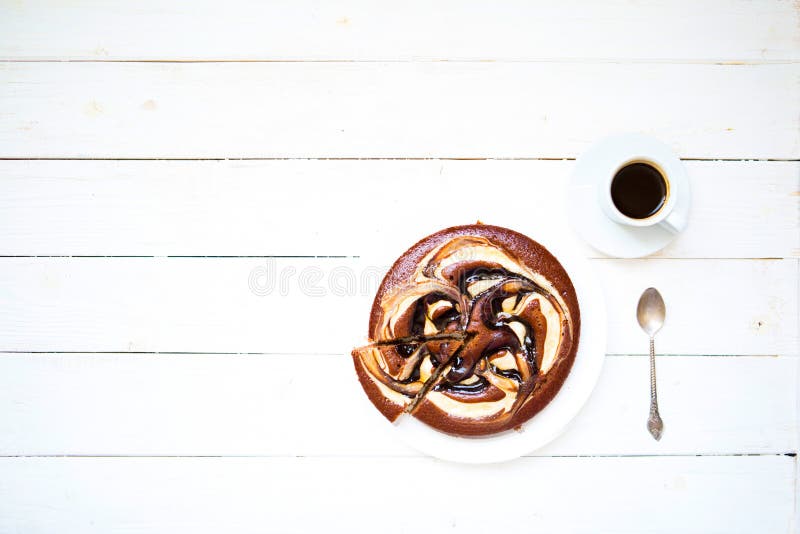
(674, 222)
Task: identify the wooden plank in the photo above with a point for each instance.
(200, 495)
(753, 302)
(302, 305)
(242, 29)
(269, 405)
(510, 110)
(740, 209)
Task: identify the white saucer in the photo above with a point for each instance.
(588, 218)
(555, 417)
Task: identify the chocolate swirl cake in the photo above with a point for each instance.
(473, 331)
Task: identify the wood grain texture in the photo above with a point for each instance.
(269, 405)
(740, 209)
(498, 110)
(409, 87)
(302, 305)
(719, 30)
(242, 495)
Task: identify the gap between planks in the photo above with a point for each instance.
(370, 158)
(573, 60)
(336, 354)
(791, 454)
(353, 257)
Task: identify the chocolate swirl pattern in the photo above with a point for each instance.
(473, 331)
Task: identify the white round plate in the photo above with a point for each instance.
(554, 418)
(588, 218)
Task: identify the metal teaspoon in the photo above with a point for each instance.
(651, 312)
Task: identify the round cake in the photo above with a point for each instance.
(473, 331)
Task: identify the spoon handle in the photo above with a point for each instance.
(654, 423)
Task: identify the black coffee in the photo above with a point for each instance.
(638, 190)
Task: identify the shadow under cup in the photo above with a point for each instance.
(639, 190)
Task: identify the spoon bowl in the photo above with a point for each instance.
(651, 311)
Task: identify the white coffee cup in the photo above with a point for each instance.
(669, 166)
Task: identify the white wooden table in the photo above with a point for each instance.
(159, 161)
